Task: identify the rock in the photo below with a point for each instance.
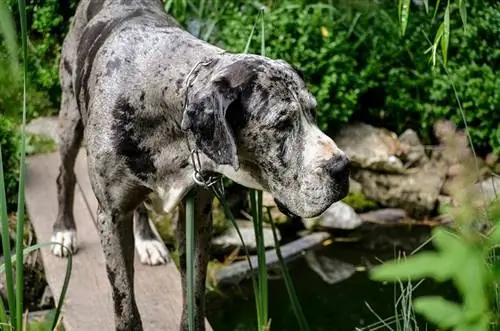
(236, 272)
(44, 126)
(354, 186)
(456, 170)
(414, 151)
(339, 216)
(416, 192)
(229, 240)
(489, 188)
(332, 271)
(371, 148)
(47, 299)
(445, 201)
(268, 200)
(491, 160)
(359, 202)
(386, 215)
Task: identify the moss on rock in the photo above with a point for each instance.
(359, 202)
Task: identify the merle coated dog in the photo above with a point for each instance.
(141, 90)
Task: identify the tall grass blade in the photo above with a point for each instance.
(446, 33)
(294, 300)
(22, 176)
(463, 12)
(190, 259)
(404, 13)
(4, 321)
(9, 279)
(249, 40)
(256, 206)
(221, 198)
(426, 6)
(262, 39)
(436, 9)
(67, 276)
(439, 35)
(8, 31)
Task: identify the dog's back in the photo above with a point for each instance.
(94, 22)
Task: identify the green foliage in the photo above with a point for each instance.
(48, 22)
(360, 68)
(460, 260)
(9, 142)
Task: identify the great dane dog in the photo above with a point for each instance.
(141, 90)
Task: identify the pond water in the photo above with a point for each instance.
(349, 304)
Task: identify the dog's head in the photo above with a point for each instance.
(255, 118)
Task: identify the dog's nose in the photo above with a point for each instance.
(337, 165)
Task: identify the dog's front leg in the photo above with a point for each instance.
(203, 233)
(117, 239)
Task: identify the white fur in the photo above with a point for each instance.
(151, 251)
(66, 238)
(168, 199)
(241, 177)
(315, 154)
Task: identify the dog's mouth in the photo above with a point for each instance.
(282, 208)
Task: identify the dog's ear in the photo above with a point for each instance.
(205, 114)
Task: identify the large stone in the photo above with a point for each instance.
(417, 191)
(371, 148)
(230, 240)
(240, 270)
(330, 270)
(489, 189)
(339, 216)
(44, 126)
(413, 150)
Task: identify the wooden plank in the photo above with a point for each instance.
(88, 305)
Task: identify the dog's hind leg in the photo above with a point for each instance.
(148, 242)
(70, 139)
(203, 234)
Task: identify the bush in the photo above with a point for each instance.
(48, 23)
(9, 142)
(360, 68)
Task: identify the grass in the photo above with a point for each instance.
(12, 315)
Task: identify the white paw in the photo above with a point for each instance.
(66, 238)
(152, 251)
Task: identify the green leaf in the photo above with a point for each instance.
(428, 264)
(446, 33)
(463, 12)
(439, 311)
(7, 29)
(436, 9)
(404, 11)
(439, 34)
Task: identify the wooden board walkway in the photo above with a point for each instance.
(88, 305)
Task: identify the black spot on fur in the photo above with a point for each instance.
(94, 8)
(92, 40)
(67, 66)
(118, 297)
(127, 141)
(179, 83)
(112, 66)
